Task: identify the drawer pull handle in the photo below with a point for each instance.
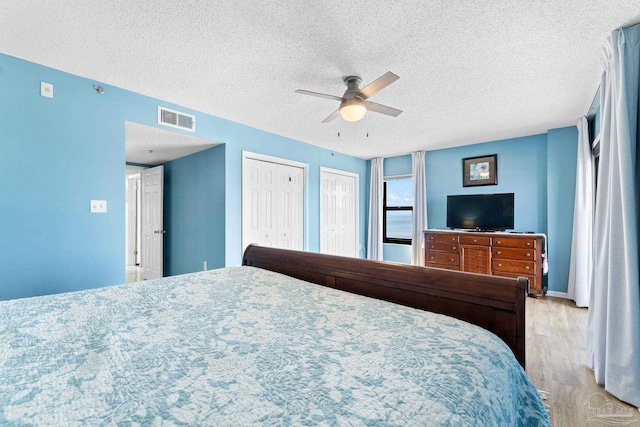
(528, 243)
(474, 240)
(528, 253)
(452, 259)
(453, 248)
(499, 265)
(499, 252)
(499, 242)
(526, 267)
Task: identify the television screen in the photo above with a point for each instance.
(482, 212)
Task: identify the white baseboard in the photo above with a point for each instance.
(558, 294)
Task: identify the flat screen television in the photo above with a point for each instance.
(481, 212)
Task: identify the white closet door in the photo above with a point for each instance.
(296, 213)
(272, 204)
(258, 197)
(284, 205)
(338, 213)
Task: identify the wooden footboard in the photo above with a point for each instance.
(493, 303)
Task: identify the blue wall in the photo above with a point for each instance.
(522, 170)
(194, 189)
(58, 154)
(562, 151)
(540, 170)
(395, 166)
(55, 156)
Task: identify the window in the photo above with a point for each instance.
(397, 210)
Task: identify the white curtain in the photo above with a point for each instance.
(419, 221)
(374, 245)
(582, 241)
(613, 330)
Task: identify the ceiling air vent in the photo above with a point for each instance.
(176, 119)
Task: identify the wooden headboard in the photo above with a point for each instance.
(493, 303)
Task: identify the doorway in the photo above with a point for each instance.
(148, 147)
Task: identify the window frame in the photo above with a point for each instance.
(385, 209)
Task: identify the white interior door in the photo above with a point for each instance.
(152, 248)
(338, 213)
(272, 203)
(132, 222)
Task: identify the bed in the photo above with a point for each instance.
(264, 344)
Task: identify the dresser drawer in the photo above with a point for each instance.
(442, 258)
(520, 267)
(442, 247)
(511, 253)
(442, 237)
(475, 240)
(513, 242)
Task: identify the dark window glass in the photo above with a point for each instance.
(398, 210)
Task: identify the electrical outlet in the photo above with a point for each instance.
(98, 206)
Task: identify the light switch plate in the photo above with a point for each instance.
(98, 206)
(46, 89)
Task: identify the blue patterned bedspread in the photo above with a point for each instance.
(243, 346)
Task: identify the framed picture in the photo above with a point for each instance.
(481, 170)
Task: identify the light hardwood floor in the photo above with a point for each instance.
(556, 363)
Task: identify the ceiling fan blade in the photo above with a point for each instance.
(319, 95)
(376, 86)
(332, 116)
(379, 108)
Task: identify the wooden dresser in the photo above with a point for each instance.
(498, 254)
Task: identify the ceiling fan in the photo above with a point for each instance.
(354, 103)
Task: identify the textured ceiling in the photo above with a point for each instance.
(470, 71)
(149, 145)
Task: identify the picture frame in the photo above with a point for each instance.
(481, 170)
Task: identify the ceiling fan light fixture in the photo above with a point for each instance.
(353, 110)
